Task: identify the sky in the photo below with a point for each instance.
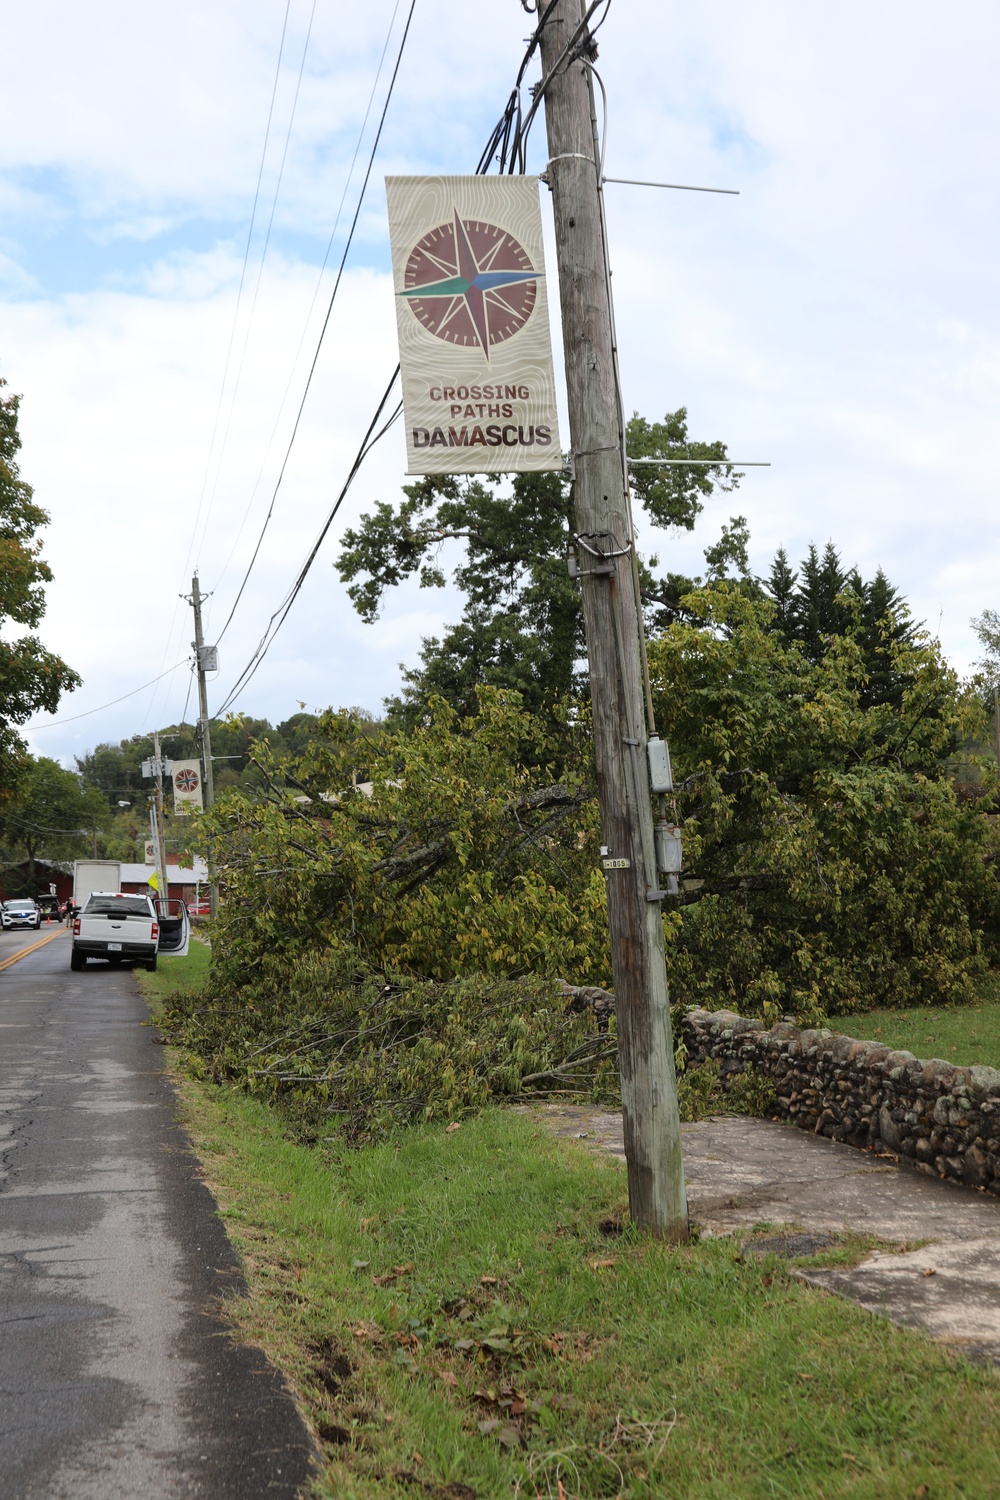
(839, 318)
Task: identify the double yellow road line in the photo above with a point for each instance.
(23, 952)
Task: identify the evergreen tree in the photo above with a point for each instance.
(780, 588)
(824, 602)
(817, 608)
(885, 624)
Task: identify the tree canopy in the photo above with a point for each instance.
(522, 623)
(987, 628)
(830, 864)
(32, 679)
(453, 854)
(50, 816)
(114, 773)
(115, 769)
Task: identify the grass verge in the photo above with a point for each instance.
(965, 1034)
(185, 974)
(465, 1313)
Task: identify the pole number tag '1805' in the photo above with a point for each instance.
(617, 864)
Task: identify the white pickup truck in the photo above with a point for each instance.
(118, 926)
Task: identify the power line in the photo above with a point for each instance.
(232, 332)
(187, 697)
(582, 39)
(507, 143)
(40, 827)
(510, 141)
(243, 272)
(281, 613)
(326, 322)
(260, 273)
(316, 289)
(86, 715)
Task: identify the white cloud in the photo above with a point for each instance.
(839, 318)
(117, 453)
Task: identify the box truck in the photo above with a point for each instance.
(90, 875)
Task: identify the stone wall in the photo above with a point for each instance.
(944, 1119)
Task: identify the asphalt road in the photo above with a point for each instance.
(117, 1377)
(16, 940)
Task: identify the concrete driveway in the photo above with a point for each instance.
(743, 1172)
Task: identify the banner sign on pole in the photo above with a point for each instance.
(150, 855)
(187, 788)
(479, 392)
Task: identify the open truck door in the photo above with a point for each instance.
(175, 928)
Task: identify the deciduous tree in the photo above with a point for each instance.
(50, 816)
(32, 679)
(522, 623)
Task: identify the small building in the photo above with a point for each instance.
(50, 878)
(185, 882)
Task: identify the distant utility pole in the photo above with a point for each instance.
(161, 848)
(203, 654)
(603, 550)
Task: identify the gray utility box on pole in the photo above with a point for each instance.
(661, 778)
(153, 768)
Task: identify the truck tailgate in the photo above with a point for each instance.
(117, 928)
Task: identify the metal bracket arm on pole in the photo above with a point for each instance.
(712, 463)
(680, 187)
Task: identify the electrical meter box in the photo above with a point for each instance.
(660, 778)
(669, 853)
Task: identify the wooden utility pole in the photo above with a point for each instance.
(208, 779)
(657, 1197)
(161, 848)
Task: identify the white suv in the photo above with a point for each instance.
(20, 914)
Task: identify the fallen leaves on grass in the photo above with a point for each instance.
(393, 1275)
(570, 1346)
(368, 1332)
(505, 1434)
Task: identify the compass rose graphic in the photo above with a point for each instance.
(470, 283)
(186, 781)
